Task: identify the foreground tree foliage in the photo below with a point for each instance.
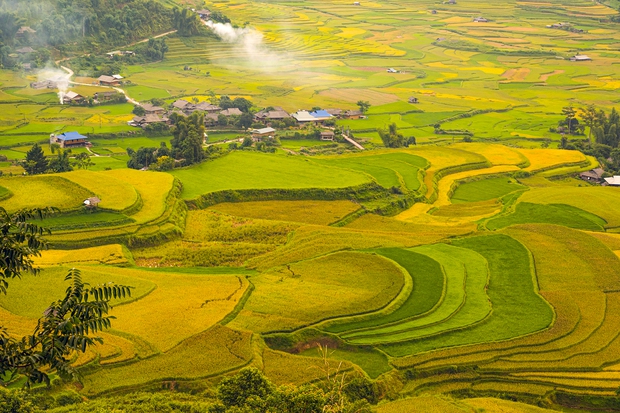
(67, 325)
(249, 391)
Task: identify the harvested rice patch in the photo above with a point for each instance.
(545, 76)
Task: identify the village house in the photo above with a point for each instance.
(71, 97)
(25, 30)
(258, 134)
(152, 109)
(334, 112)
(352, 114)
(276, 114)
(46, 84)
(108, 81)
(613, 180)
(25, 50)
(303, 116)
(189, 108)
(450, 2)
(104, 96)
(68, 140)
(144, 121)
(480, 20)
(204, 14)
(211, 119)
(593, 175)
(321, 115)
(180, 104)
(413, 99)
(580, 58)
(27, 67)
(205, 107)
(231, 112)
(327, 135)
(92, 202)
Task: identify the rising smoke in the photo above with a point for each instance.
(59, 77)
(249, 42)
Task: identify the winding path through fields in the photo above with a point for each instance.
(71, 73)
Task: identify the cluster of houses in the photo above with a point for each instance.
(157, 114)
(564, 26)
(596, 176)
(45, 84)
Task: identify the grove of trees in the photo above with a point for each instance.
(393, 139)
(188, 135)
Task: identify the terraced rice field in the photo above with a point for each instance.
(427, 292)
(435, 269)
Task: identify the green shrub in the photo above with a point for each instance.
(15, 402)
(249, 383)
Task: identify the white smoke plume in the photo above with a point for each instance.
(59, 77)
(249, 41)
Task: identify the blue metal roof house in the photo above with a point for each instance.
(68, 139)
(321, 115)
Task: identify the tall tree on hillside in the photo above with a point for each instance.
(592, 118)
(35, 162)
(569, 114)
(188, 135)
(186, 22)
(67, 326)
(364, 105)
(9, 25)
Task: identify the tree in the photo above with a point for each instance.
(242, 104)
(226, 102)
(590, 117)
(61, 162)
(138, 110)
(364, 105)
(222, 120)
(35, 162)
(67, 326)
(569, 114)
(83, 161)
(164, 163)
(245, 120)
(236, 390)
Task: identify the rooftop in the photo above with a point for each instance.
(321, 114)
(263, 131)
(613, 180)
(303, 116)
(70, 136)
(107, 79)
